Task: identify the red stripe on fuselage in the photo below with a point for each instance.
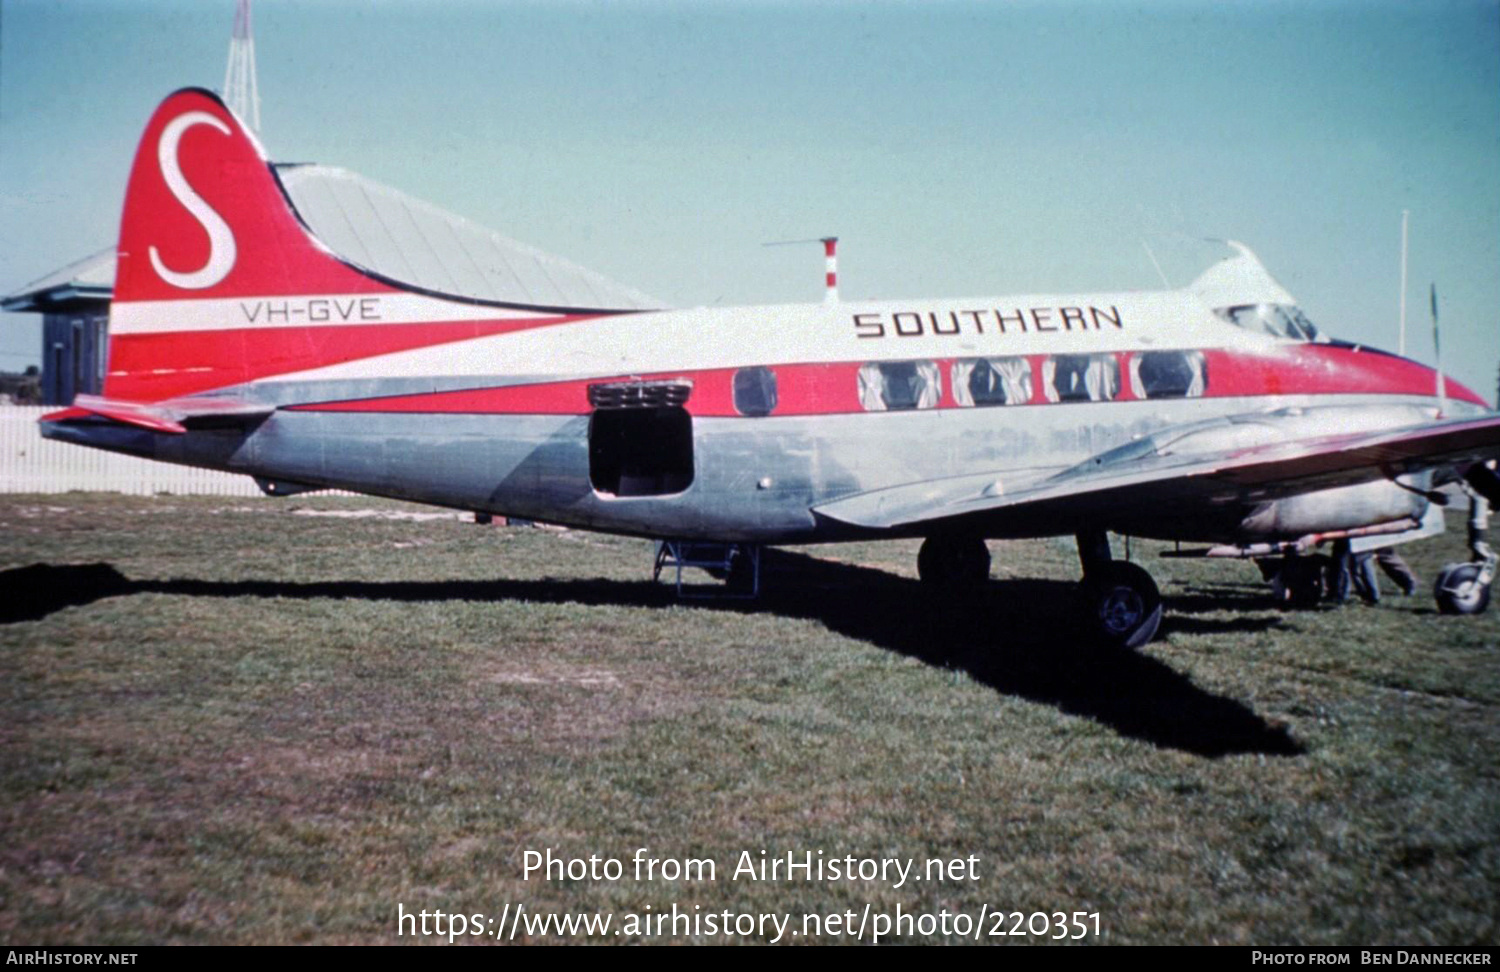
(1323, 369)
(828, 389)
(152, 367)
(804, 389)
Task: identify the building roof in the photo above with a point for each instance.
(92, 278)
(394, 236)
(409, 241)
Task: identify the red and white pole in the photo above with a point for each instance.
(831, 260)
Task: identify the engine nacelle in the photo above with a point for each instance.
(1344, 508)
(1372, 504)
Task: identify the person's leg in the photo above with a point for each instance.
(1397, 569)
(1338, 572)
(1366, 582)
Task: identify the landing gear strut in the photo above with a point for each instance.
(1124, 605)
(1465, 588)
(954, 563)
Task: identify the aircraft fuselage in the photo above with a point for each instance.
(856, 397)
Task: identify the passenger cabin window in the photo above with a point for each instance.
(1081, 378)
(755, 391)
(895, 386)
(1277, 320)
(1168, 374)
(992, 381)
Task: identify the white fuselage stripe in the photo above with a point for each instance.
(705, 338)
(321, 310)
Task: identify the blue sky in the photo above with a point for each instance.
(956, 148)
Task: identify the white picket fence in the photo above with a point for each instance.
(32, 464)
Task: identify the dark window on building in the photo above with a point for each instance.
(896, 386)
(60, 392)
(82, 376)
(75, 348)
(1083, 378)
(101, 351)
(1170, 374)
(755, 391)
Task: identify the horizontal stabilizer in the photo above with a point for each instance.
(172, 417)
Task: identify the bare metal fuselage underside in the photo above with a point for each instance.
(753, 479)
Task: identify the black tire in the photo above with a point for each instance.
(1458, 592)
(954, 563)
(740, 578)
(1124, 604)
(1303, 579)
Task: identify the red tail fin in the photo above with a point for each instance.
(219, 283)
(206, 218)
(206, 225)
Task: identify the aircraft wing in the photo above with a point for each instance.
(1151, 476)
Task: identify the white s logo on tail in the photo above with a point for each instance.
(221, 248)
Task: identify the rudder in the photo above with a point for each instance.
(208, 244)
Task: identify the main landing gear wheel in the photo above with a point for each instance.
(1124, 604)
(955, 563)
(743, 574)
(1461, 590)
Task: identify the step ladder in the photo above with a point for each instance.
(721, 560)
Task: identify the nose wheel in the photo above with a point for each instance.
(1464, 588)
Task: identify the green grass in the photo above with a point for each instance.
(243, 724)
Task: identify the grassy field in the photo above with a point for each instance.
(274, 721)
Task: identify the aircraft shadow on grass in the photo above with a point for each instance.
(1022, 638)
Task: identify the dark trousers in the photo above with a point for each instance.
(1396, 569)
(1348, 568)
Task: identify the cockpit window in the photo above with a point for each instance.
(1277, 320)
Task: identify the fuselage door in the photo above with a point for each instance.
(640, 438)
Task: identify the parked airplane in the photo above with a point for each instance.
(1217, 413)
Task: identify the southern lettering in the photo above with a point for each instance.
(1015, 320)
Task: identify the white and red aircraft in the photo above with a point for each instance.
(1215, 413)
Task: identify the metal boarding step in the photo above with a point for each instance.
(730, 562)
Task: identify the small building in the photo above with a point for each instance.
(74, 304)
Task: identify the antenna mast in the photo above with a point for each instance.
(240, 90)
(830, 264)
(831, 268)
